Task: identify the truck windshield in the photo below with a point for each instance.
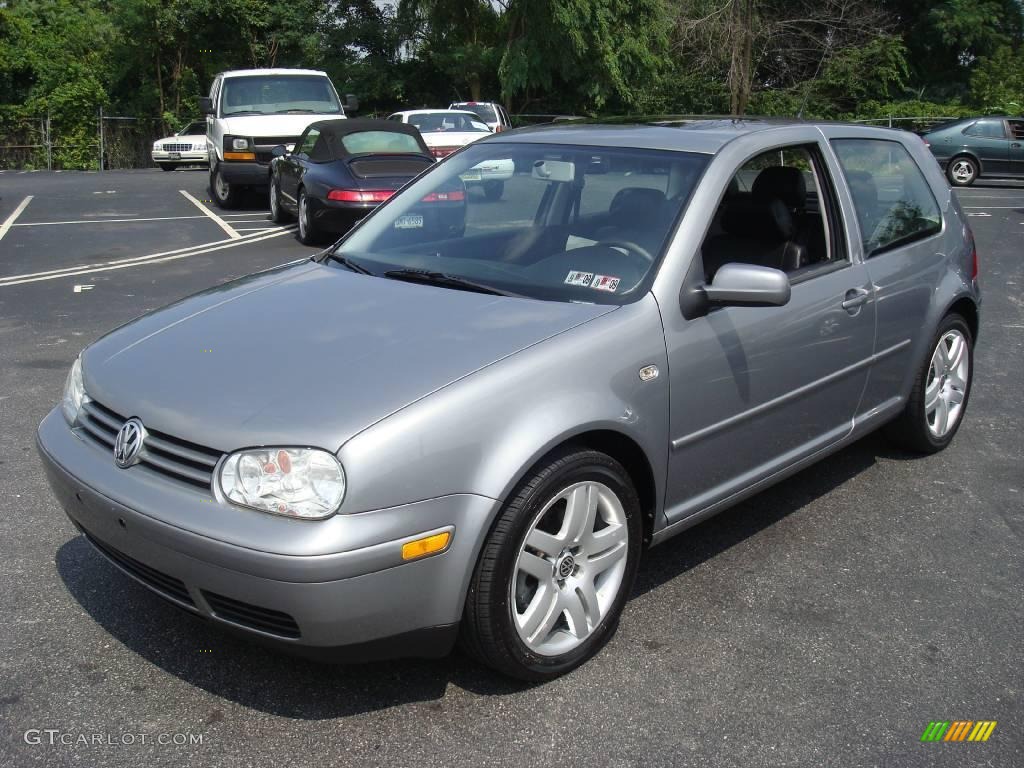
(279, 94)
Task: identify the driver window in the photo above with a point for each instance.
(307, 142)
(775, 214)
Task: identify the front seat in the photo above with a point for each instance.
(754, 232)
(637, 214)
(789, 185)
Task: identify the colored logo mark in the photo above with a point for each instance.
(958, 730)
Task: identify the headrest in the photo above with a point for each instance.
(637, 202)
(783, 182)
(769, 221)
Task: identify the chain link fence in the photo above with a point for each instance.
(108, 142)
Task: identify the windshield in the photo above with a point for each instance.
(483, 111)
(193, 129)
(279, 94)
(546, 221)
(447, 122)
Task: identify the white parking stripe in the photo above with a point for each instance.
(206, 211)
(138, 261)
(9, 221)
(103, 221)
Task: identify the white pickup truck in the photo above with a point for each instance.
(251, 111)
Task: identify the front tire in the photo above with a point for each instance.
(962, 171)
(224, 194)
(938, 401)
(556, 569)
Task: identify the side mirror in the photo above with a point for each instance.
(351, 103)
(279, 151)
(748, 285)
(206, 105)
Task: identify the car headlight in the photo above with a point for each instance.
(239, 144)
(295, 482)
(156, 146)
(74, 392)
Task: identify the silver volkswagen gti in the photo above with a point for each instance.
(472, 428)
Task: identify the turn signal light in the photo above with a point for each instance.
(239, 155)
(360, 195)
(426, 546)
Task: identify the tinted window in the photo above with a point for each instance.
(988, 129)
(380, 141)
(278, 95)
(1017, 128)
(533, 239)
(451, 122)
(894, 203)
(483, 111)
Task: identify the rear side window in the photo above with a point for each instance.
(894, 204)
(986, 129)
(1017, 128)
(385, 142)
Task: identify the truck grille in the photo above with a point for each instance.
(170, 456)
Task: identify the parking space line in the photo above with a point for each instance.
(138, 261)
(207, 212)
(9, 221)
(103, 221)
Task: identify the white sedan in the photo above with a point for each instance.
(186, 147)
(447, 130)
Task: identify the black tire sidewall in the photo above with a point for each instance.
(580, 466)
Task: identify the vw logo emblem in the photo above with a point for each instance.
(128, 443)
(565, 566)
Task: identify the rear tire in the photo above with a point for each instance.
(224, 194)
(556, 568)
(962, 171)
(938, 401)
(309, 234)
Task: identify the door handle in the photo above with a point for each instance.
(855, 298)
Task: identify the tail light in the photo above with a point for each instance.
(445, 197)
(442, 151)
(360, 195)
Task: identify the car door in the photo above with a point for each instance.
(1016, 128)
(900, 225)
(755, 390)
(987, 139)
(295, 164)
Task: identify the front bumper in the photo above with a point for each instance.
(360, 602)
(245, 173)
(195, 156)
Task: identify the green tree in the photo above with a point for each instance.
(997, 83)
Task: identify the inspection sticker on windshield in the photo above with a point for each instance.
(409, 221)
(605, 283)
(579, 278)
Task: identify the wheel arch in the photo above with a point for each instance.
(967, 308)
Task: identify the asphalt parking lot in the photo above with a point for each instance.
(823, 622)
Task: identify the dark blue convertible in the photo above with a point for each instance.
(339, 170)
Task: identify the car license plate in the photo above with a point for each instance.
(470, 176)
(409, 221)
(175, 155)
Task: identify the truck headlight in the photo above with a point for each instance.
(296, 482)
(239, 145)
(74, 392)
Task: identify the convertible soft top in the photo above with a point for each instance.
(340, 140)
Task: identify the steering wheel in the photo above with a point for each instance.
(629, 245)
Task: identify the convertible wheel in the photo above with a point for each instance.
(308, 232)
(939, 398)
(557, 568)
(962, 171)
(277, 214)
(225, 194)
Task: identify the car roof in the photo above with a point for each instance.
(409, 112)
(273, 71)
(688, 134)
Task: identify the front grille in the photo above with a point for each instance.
(252, 616)
(168, 586)
(170, 456)
(178, 147)
(272, 141)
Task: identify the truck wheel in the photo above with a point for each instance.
(224, 194)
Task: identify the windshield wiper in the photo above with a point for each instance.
(449, 281)
(245, 112)
(294, 112)
(348, 263)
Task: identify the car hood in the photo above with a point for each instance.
(272, 125)
(307, 354)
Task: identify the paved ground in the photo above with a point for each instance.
(824, 622)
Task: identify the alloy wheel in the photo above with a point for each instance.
(962, 171)
(570, 568)
(946, 386)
